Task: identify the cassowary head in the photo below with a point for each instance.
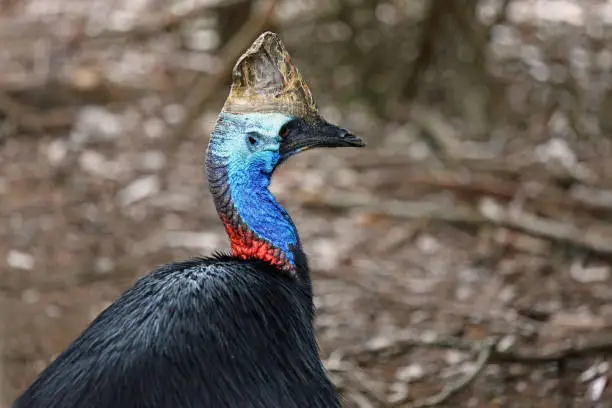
(268, 116)
(270, 113)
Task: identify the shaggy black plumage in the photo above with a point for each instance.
(195, 334)
(226, 331)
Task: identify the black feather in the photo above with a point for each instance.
(213, 332)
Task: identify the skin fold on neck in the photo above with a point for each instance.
(257, 225)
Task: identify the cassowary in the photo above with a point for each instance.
(229, 330)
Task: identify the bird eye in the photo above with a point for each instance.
(284, 131)
(252, 140)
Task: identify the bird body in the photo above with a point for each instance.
(195, 334)
(229, 330)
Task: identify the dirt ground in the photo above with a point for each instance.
(77, 237)
(428, 264)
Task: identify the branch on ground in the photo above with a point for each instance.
(489, 352)
(595, 238)
(25, 118)
(502, 351)
(452, 388)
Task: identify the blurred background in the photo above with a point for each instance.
(462, 259)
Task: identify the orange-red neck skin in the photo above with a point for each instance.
(246, 245)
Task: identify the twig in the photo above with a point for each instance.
(488, 178)
(208, 86)
(596, 238)
(586, 345)
(513, 321)
(452, 388)
(25, 118)
(587, 198)
(355, 379)
(425, 53)
(489, 352)
(394, 208)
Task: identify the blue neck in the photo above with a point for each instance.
(241, 195)
(260, 211)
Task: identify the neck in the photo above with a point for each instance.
(257, 225)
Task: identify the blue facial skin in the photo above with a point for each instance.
(244, 148)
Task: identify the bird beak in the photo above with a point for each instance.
(309, 133)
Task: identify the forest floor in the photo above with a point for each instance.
(87, 218)
(453, 273)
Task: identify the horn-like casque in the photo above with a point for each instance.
(265, 80)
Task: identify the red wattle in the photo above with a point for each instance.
(245, 245)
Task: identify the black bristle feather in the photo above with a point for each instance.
(207, 332)
(214, 332)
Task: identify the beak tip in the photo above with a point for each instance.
(353, 140)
